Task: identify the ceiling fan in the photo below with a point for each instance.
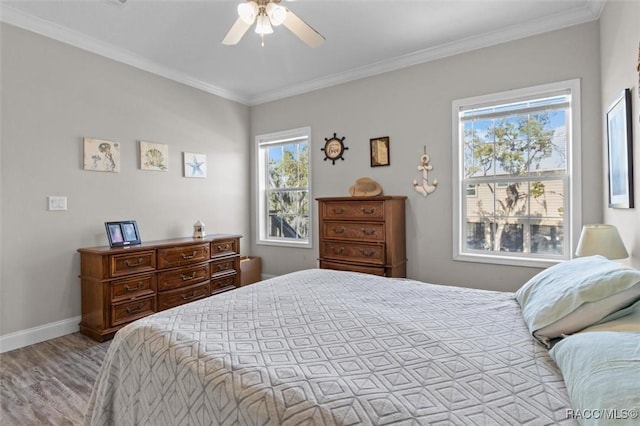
(267, 13)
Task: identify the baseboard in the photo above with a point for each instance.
(23, 338)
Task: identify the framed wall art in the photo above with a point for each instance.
(620, 152)
(154, 156)
(101, 155)
(380, 154)
(195, 165)
(123, 233)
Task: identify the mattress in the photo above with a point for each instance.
(324, 347)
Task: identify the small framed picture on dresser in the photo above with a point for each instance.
(123, 233)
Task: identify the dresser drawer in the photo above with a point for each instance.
(133, 288)
(131, 263)
(225, 283)
(176, 278)
(353, 252)
(130, 311)
(354, 231)
(224, 266)
(225, 247)
(170, 299)
(184, 255)
(357, 210)
(373, 270)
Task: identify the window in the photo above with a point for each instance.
(517, 175)
(284, 190)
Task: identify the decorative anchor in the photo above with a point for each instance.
(425, 188)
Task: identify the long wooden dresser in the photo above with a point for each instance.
(363, 234)
(120, 285)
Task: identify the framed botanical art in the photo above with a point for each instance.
(154, 156)
(380, 155)
(101, 155)
(195, 165)
(620, 152)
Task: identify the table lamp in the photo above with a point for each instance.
(603, 240)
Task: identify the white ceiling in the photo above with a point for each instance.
(180, 39)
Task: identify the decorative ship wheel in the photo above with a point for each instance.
(334, 149)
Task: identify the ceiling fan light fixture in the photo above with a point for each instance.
(265, 13)
(263, 26)
(276, 13)
(248, 11)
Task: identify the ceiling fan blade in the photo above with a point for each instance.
(303, 30)
(236, 32)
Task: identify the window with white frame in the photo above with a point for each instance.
(284, 188)
(517, 175)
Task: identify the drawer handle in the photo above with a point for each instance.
(186, 256)
(224, 267)
(338, 211)
(188, 277)
(368, 231)
(368, 211)
(131, 264)
(225, 247)
(192, 296)
(134, 310)
(338, 250)
(137, 287)
(338, 230)
(367, 253)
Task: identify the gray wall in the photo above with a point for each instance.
(53, 95)
(619, 39)
(413, 107)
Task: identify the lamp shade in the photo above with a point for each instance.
(276, 14)
(248, 11)
(603, 240)
(263, 26)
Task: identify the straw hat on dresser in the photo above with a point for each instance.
(365, 187)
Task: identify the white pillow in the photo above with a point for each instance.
(549, 298)
(588, 313)
(623, 320)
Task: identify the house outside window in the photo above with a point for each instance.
(284, 188)
(520, 152)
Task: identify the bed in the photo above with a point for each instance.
(324, 347)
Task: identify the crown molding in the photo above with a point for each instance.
(589, 12)
(48, 29)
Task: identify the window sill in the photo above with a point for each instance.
(514, 260)
(280, 243)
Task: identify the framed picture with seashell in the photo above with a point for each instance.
(154, 156)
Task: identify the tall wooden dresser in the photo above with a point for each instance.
(123, 284)
(363, 234)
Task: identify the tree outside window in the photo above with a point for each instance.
(284, 199)
(514, 154)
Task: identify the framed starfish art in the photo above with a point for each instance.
(195, 165)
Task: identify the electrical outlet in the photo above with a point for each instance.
(57, 203)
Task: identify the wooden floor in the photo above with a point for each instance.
(49, 383)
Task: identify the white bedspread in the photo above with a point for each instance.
(322, 347)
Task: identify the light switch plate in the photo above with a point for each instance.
(57, 203)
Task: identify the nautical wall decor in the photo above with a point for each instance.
(424, 187)
(334, 149)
